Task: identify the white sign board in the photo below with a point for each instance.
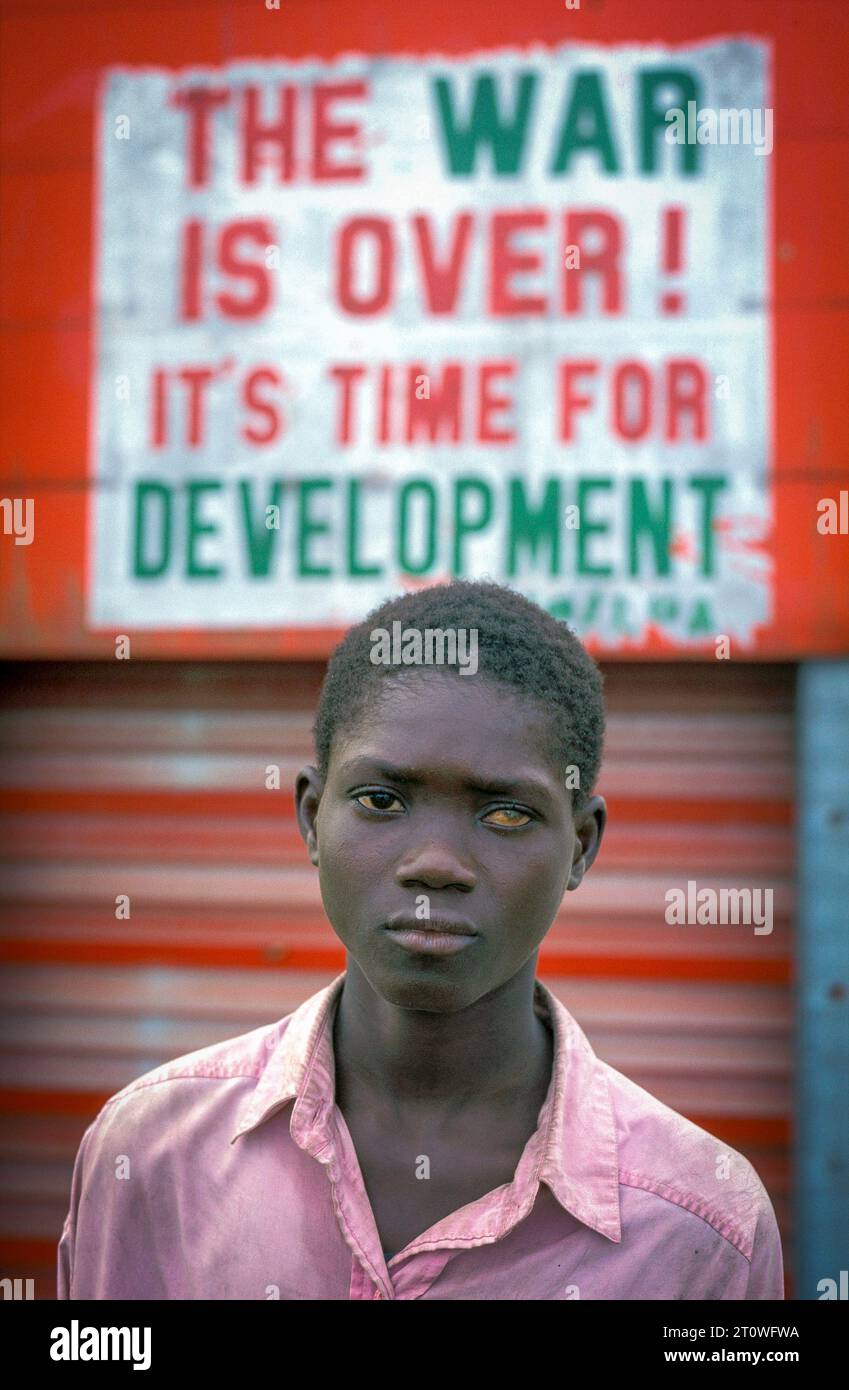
(366, 324)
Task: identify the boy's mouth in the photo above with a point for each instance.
(436, 926)
(431, 938)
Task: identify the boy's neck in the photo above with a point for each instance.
(489, 1053)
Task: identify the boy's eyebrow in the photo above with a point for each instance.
(412, 778)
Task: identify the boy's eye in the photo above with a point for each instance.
(376, 796)
(510, 811)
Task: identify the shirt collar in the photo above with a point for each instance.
(299, 1067)
(576, 1132)
(580, 1149)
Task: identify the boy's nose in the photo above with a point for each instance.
(436, 865)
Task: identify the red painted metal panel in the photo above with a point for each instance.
(52, 60)
(227, 930)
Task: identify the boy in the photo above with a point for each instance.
(433, 1124)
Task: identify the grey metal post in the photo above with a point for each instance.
(822, 1017)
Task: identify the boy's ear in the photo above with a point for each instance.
(309, 786)
(589, 828)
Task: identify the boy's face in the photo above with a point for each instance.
(398, 824)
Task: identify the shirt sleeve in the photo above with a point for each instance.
(766, 1268)
(65, 1260)
(65, 1250)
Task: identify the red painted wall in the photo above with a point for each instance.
(52, 56)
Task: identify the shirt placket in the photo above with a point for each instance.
(414, 1274)
(355, 1220)
(362, 1287)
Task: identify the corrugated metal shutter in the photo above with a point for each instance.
(150, 780)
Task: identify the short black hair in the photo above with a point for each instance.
(520, 645)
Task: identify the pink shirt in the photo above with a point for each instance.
(230, 1173)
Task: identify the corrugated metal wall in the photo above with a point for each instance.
(150, 780)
